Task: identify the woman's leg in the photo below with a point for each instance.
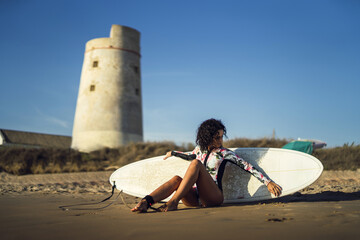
(160, 193)
(164, 191)
(209, 193)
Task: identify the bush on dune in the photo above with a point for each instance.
(346, 157)
(262, 142)
(22, 161)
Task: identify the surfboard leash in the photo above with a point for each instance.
(123, 200)
(71, 207)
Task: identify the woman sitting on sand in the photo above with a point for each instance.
(206, 169)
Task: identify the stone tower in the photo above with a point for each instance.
(108, 110)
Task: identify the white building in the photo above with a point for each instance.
(12, 138)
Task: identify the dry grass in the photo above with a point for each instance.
(21, 161)
(262, 142)
(346, 157)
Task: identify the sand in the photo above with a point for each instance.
(29, 208)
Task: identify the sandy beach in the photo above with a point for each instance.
(329, 208)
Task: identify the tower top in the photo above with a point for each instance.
(117, 31)
(121, 37)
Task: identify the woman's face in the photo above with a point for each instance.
(218, 139)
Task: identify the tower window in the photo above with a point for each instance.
(92, 88)
(136, 69)
(95, 64)
(137, 91)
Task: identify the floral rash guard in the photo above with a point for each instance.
(215, 163)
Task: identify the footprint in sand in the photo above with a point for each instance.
(278, 219)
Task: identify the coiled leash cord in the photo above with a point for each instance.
(71, 207)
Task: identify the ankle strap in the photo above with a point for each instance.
(149, 199)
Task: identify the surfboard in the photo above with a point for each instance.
(292, 170)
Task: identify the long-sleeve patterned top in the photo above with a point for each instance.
(215, 163)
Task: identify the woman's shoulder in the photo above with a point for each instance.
(224, 150)
(228, 153)
(196, 149)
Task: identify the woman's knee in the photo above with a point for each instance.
(196, 163)
(176, 179)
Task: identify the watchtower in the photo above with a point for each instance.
(109, 108)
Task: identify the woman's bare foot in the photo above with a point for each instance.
(141, 206)
(169, 206)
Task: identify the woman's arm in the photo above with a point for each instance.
(181, 155)
(272, 186)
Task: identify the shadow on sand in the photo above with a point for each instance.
(326, 196)
(320, 197)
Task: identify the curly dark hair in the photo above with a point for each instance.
(207, 131)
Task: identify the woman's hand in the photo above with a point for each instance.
(274, 188)
(168, 154)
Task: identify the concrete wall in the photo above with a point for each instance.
(109, 105)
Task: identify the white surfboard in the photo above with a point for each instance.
(292, 170)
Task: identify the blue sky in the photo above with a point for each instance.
(292, 66)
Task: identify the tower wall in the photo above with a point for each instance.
(109, 109)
